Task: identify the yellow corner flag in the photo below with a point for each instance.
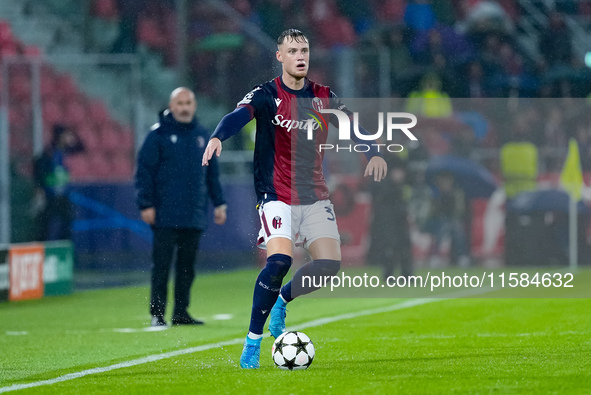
(571, 177)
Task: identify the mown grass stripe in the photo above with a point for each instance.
(171, 354)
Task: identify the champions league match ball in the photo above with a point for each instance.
(293, 351)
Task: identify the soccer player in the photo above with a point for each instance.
(293, 199)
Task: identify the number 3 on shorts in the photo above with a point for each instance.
(329, 211)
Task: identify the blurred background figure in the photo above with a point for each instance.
(519, 167)
(429, 100)
(390, 245)
(51, 202)
(446, 222)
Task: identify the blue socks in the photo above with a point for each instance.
(268, 285)
(267, 289)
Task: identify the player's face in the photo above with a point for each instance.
(295, 57)
(183, 106)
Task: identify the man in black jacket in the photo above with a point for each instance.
(173, 190)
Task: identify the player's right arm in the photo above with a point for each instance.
(232, 123)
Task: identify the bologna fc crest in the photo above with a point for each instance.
(277, 222)
(317, 104)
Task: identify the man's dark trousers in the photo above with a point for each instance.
(186, 241)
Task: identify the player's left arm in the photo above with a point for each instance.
(214, 189)
(230, 125)
(377, 168)
(376, 165)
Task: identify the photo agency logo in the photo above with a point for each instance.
(363, 140)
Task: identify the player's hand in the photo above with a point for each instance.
(376, 167)
(214, 145)
(149, 215)
(219, 214)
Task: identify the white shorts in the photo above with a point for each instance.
(301, 224)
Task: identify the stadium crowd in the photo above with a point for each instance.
(470, 46)
(467, 54)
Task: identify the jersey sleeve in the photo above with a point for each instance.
(254, 100)
(337, 104)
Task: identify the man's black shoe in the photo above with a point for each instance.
(158, 320)
(186, 320)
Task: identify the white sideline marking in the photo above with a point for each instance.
(223, 317)
(15, 333)
(157, 357)
(146, 329)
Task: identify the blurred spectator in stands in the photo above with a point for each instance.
(441, 41)
(363, 18)
(51, 181)
(129, 11)
(446, 222)
(474, 84)
(429, 101)
(389, 230)
(583, 137)
(330, 27)
(421, 194)
(555, 42)
(419, 15)
(104, 26)
(463, 141)
(245, 8)
(427, 50)
(486, 16)
(511, 61)
(273, 13)
(519, 164)
(554, 128)
(390, 11)
(444, 11)
(519, 168)
(401, 63)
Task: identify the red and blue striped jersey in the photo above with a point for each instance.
(287, 165)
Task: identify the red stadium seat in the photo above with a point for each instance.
(48, 87)
(89, 137)
(19, 116)
(110, 137)
(100, 165)
(98, 112)
(79, 167)
(126, 140)
(5, 33)
(122, 166)
(8, 49)
(32, 51)
(392, 11)
(150, 34)
(66, 87)
(105, 9)
(19, 86)
(75, 113)
(20, 142)
(52, 112)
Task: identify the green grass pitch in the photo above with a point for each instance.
(471, 345)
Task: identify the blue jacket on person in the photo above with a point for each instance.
(170, 176)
